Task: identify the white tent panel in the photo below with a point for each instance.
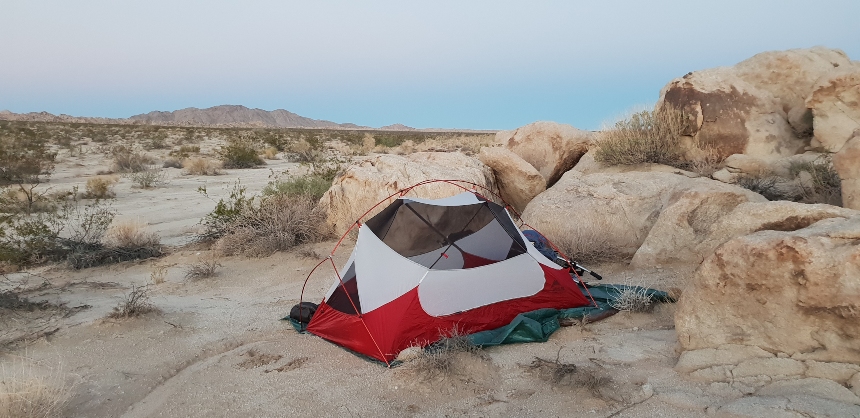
(537, 255)
(382, 274)
(462, 199)
(342, 271)
(445, 292)
(491, 242)
(453, 261)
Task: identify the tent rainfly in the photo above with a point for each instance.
(423, 267)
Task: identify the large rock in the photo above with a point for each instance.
(691, 213)
(756, 107)
(835, 104)
(796, 292)
(551, 148)
(618, 209)
(366, 183)
(519, 182)
(846, 162)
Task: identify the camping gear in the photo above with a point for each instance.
(543, 246)
(423, 269)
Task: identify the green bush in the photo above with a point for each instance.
(308, 185)
(240, 153)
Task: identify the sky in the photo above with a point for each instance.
(427, 64)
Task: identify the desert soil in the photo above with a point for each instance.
(217, 346)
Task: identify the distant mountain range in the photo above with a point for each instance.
(217, 116)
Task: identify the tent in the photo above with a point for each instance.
(422, 268)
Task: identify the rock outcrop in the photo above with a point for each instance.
(792, 292)
(364, 184)
(551, 148)
(518, 181)
(847, 165)
(689, 217)
(619, 209)
(756, 107)
(835, 105)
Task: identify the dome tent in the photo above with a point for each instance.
(421, 268)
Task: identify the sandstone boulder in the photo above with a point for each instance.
(551, 148)
(847, 165)
(835, 104)
(614, 211)
(364, 184)
(756, 107)
(517, 180)
(796, 292)
(691, 212)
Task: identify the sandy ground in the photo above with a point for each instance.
(218, 347)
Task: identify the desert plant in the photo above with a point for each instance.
(226, 211)
(307, 185)
(128, 161)
(270, 153)
(240, 153)
(440, 358)
(158, 274)
(135, 303)
(25, 393)
(202, 269)
(645, 137)
(130, 234)
(201, 167)
(172, 163)
(304, 152)
(767, 185)
(150, 177)
(25, 161)
(632, 298)
(100, 187)
(590, 241)
(553, 371)
(818, 180)
(185, 151)
(275, 223)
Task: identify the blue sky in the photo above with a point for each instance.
(454, 64)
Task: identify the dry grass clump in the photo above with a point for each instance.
(24, 393)
(645, 137)
(149, 178)
(172, 163)
(632, 298)
(591, 378)
(100, 187)
(440, 358)
(136, 303)
(202, 269)
(277, 223)
(270, 153)
(131, 234)
(589, 241)
(807, 182)
(128, 161)
(201, 167)
(158, 274)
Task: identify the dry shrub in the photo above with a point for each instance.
(303, 152)
(808, 182)
(24, 393)
(150, 177)
(270, 153)
(172, 163)
(201, 167)
(592, 378)
(440, 358)
(553, 371)
(589, 241)
(136, 303)
(240, 153)
(100, 187)
(645, 137)
(278, 222)
(131, 234)
(632, 298)
(467, 144)
(202, 269)
(158, 274)
(128, 161)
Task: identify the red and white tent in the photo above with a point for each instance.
(422, 267)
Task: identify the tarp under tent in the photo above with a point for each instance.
(421, 268)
